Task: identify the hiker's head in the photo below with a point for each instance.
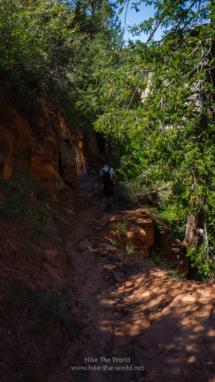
(105, 163)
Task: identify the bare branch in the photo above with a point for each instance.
(132, 98)
(154, 30)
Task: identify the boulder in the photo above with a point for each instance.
(147, 225)
(130, 235)
(139, 236)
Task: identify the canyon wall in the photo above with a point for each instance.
(46, 147)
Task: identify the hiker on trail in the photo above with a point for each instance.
(107, 176)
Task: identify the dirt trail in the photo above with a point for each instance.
(174, 348)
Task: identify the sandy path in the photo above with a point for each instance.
(117, 318)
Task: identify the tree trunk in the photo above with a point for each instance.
(92, 8)
(195, 223)
(193, 236)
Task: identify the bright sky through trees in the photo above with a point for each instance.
(134, 17)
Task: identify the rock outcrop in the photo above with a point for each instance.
(135, 229)
(80, 160)
(147, 235)
(88, 156)
(46, 148)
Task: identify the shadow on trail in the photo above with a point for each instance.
(177, 344)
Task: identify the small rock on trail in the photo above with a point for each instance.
(128, 284)
(50, 254)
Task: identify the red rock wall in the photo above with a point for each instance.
(88, 156)
(47, 149)
(80, 159)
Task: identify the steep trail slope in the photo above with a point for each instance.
(134, 312)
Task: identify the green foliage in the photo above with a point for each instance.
(170, 209)
(157, 310)
(159, 98)
(121, 226)
(157, 260)
(35, 41)
(106, 37)
(49, 50)
(131, 192)
(129, 249)
(202, 258)
(199, 277)
(113, 242)
(173, 274)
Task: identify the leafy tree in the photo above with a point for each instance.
(108, 37)
(48, 48)
(35, 41)
(160, 94)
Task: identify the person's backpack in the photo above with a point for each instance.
(107, 181)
